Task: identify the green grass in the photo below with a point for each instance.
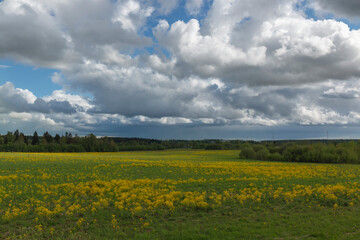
(29, 181)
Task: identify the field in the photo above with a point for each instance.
(174, 195)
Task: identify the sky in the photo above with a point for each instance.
(181, 69)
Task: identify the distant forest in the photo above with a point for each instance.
(316, 151)
(18, 142)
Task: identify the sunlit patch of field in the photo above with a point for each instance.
(137, 195)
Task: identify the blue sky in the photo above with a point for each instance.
(37, 80)
(189, 69)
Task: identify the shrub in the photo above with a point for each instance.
(247, 153)
(276, 157)
(262, 154)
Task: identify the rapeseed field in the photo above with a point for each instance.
(174, 195)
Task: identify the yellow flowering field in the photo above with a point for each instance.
(136, 194)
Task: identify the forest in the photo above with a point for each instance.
(18, 142)
(316, 151)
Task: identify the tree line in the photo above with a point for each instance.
(18, 142)
(303, 151)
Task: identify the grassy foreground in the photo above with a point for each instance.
(175, 195)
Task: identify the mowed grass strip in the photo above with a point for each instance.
(174, 195)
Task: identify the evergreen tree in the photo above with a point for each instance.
(16, 135)
(68, 137)
(57, 138)
(9, 138)
(48, 138)
(35, 139)
(26, 141)
(20, 138)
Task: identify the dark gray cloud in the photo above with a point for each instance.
(30, 35)
(10, 99)
(52, 106)
(344, 8)
(103, 23)
(18, 100)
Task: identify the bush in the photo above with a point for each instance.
(262, 154)
(247, 153)
(258, 147)
(275, 157)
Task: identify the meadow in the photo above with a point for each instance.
(175, 195)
